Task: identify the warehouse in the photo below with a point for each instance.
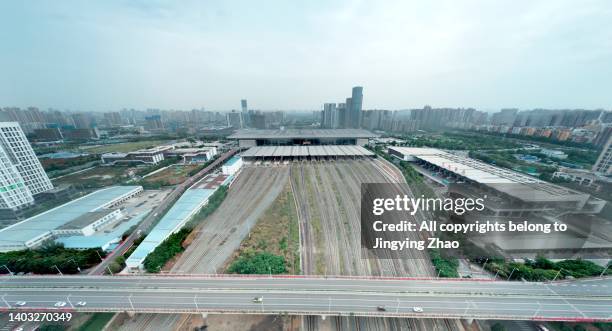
(511, 192)
(304, 153)
(291, 137)
(80, 216)
(143, 156)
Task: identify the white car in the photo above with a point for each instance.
(417, 309)
(81, 303)
(20, 303)
(60, 304)
(258, 299)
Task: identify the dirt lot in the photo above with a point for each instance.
(172, 175)
(97, 177)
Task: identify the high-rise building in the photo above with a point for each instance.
(355, 109)
(154, 122)
(330, 116)
(604, 161)
(21, 174)
(234, 119)
(243, 104)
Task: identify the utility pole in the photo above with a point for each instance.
(511, 274)
(58, 270)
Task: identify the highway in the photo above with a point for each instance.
(584, 300)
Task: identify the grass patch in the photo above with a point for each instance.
(258, 263)
(445, 266)
(170, 176)
(44, 260)
(123, 147)
(542, 269)
(276, 232)
(97, 177)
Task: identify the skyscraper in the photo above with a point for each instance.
(234, 119)
(21, 174)
(243, 104)
(330, 116)
(355, 107)
(348, 118)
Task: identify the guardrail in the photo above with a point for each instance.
(265, 311)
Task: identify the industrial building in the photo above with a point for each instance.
(304, 153)
(21, 174)
(187, 206)
(81, 217)
(143, 156)
(232, 166)
(192, 155)
(291, 137)
(510, 193)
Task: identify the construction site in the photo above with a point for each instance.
(326, 194)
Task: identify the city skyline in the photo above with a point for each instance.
(161, 55)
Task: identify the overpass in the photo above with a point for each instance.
(579, 300)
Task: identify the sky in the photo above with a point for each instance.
(109, 55)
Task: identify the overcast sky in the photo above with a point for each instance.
(109, 55)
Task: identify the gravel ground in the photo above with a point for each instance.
(328, 198)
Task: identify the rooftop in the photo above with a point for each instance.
(232, 161)
(100, 239)
(511, 182)
(52, 219)
(85, 219)
(318, 150)
(301, 133)
(174, 219)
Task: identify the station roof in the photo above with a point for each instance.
(52, 219)
(302, 133)
(510, 182)
(311, 150)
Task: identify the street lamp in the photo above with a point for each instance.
(9, 270)
(485, 264)
(557, 275)
(58, 270)
(513, 269)
(606, 269)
